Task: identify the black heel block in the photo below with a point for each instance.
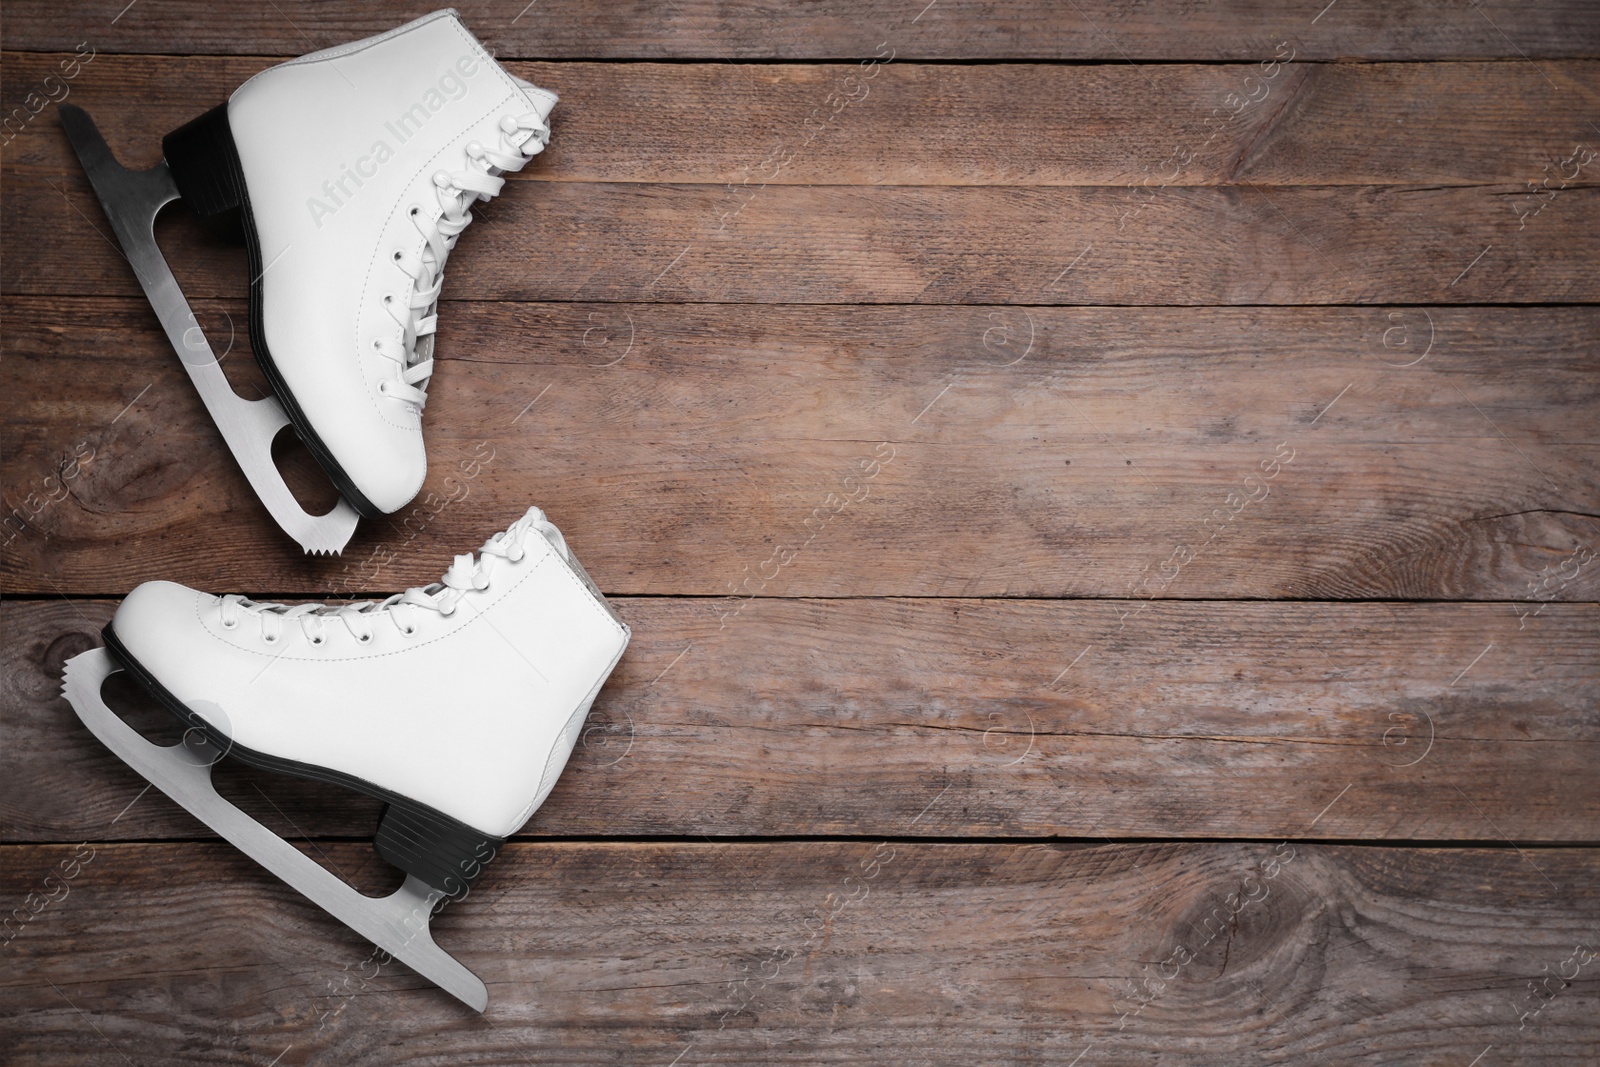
(205, 164)
(446, 854)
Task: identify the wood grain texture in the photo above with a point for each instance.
(1036, 659)
(729, 29)
(834, 952)
(1026, 452)
(939, 718)
(926, 245)
(1279, 124)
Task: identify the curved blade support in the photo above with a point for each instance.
(398, 923)
(131, 200)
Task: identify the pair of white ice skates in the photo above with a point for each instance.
(458, 704)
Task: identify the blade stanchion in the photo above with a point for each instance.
(132, 200)
(398, 923)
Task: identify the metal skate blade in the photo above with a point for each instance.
(398, 923)
(132, 199)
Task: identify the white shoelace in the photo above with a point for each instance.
(521, 138)
(465, 574)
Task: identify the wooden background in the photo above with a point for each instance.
(1205, 672)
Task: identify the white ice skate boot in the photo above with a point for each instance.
(353, 170)
(457, 703)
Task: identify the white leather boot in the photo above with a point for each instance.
(457, 703)
(354, 169)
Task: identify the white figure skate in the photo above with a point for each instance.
(457, 703)
(353, 170)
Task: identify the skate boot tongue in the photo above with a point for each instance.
(543, 101)
(467, 573)
(532, 519)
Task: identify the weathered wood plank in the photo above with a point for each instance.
(1283, 124)
(829, 952)
(934, 245)
(725, 29)
(1019, 451)
(934, 717)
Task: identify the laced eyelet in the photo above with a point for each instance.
(518, 557)
(508, 124)
(442, 179)
(383, 387)
(448, 613)
(408, 630)
(397, 254)
(365, 639)
(377, 344)
(416, 209)
(270, 639)
(230, 624)
(388, 298)
(318, 640)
